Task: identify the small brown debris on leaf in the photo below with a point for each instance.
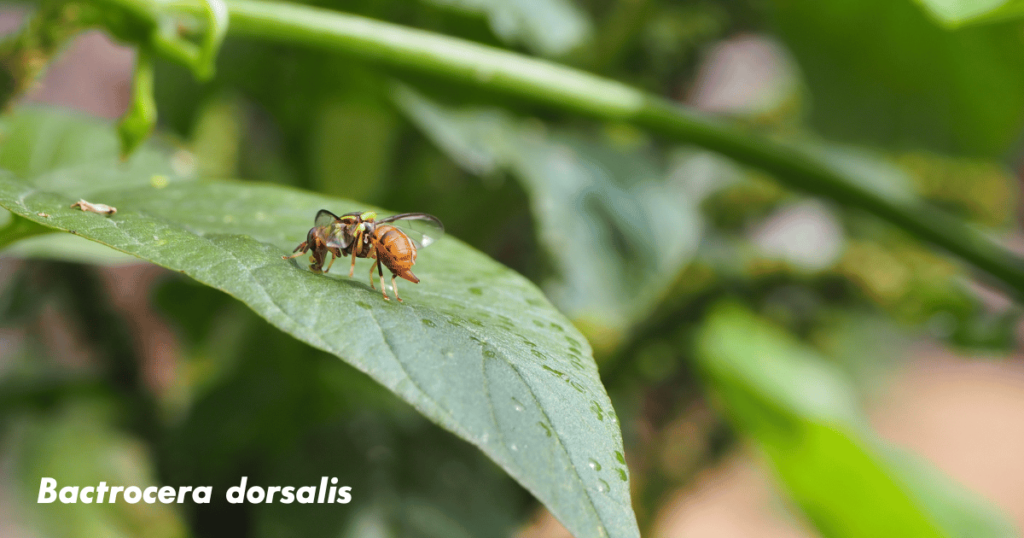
(102, 209)
(44, 215)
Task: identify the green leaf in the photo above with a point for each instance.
(475, 347)
(954, 13)
(618, 225)
(67, 248)
(36, 141)
(14, 228)
(548, 27)
(907, 82)
(409, 479)
(803, 415)
(78, 446)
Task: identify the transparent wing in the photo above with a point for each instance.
(422, 228)
(338, 237)
(324, 218)
(333, 229)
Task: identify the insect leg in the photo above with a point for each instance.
(333, 258)
(352, 269)
(375, 262)
(380, 269)
(394, 285)
(299, 251)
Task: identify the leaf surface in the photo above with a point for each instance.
(954, 13)
(908, 83)
(548, 27)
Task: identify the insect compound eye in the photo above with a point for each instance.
(311, 237)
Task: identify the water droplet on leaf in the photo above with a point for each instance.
(597, 410)
(553, 371)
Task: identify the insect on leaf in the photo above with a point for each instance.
(475, 347)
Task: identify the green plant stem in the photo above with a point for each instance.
(570, 89)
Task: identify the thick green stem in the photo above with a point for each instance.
(140, 118)
(574, 90)
(803, 171)
(571, 89)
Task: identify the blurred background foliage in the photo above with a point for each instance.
(109, 370)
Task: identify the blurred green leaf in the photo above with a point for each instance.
(959, 512)
(475, 347)
(547, 27)
(617, 223)
(804, 416)
(981, 191)
(955, 13)
(216, 138)
(37, 141)
(68, 248)
(409, 479)
(881, 72)
(78, 446)
(351, 148)
(251, 393)
(14, 228)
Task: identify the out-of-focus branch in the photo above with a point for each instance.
(24, 56)
(572, 90)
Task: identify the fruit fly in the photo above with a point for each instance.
(391, 242)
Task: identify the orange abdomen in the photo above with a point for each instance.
(396, 251)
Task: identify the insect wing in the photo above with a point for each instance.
(339, 238)
(333, 229)
(324, 218)
(422, 228)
